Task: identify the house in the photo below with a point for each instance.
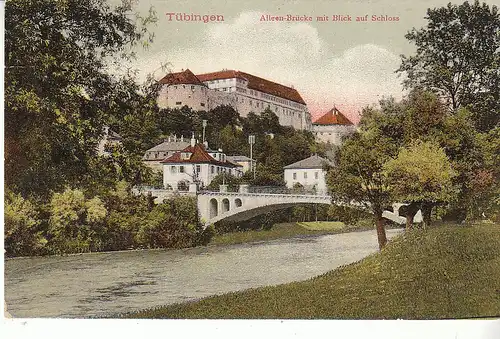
(242, 160)
(332, 126)
(109, 138)
(196, 164)
(168, 147)
(309, 173)
(243, 91)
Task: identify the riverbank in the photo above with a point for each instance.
(286, 230)
(445, 272)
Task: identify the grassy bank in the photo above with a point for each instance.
(445, 272)
(282, 230)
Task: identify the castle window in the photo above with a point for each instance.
(192, 87)
(178, 103)
(183, 86)
(202, 104)
(181, 169)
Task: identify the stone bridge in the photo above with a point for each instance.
(250, 202)
(244, 205)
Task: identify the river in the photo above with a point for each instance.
(107, 284)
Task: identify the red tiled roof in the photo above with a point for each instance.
(256, 83)
(333, 117)
(198, 156)
(184, 77)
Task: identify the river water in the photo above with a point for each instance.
(107, 284)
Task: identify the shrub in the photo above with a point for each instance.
(21, 229)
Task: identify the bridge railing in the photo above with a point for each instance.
(284, 190)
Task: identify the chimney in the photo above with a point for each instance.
(193, 140)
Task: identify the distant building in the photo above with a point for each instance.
(196, 164)
(244, 92)
(332, 126)
(242, 160)
(109, 138)
(154, 155)
(309, 173)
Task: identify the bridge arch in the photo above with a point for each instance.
(225, 205)
(213, 208)
(238, 202)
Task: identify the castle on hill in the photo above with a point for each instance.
(244, 92)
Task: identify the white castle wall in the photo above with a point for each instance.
(332, 133)
(235, 93)
(176, 96)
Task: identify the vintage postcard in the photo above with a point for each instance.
(252, 160)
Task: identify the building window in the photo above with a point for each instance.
(316, 175)
(192, 87)
(178, 103)
(305, 175)
(181, 169)
(202, 104)
(156, 155)
(294, 176)
(173, 169)
(198, 168)
(212, 169)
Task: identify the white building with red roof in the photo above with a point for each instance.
(244, 92)
(196, 164)
(332, 126)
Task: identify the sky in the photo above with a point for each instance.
(348, 64)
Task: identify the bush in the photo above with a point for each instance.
(76, 224)
(173, 224)
(22, 235)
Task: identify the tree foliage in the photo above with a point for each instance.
(421, 174)
(358, 177)
(58, 92)
(458, 57)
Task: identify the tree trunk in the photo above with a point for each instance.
(426, 213)
(380, 222)
(411, 210)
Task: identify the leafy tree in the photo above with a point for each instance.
(458, 57)
(58, 92)
(177, 121)
(75, 222)
(172, 224)
(484, 187)
(358, 177)
(22, 234)
(423, 176)
(225, 178)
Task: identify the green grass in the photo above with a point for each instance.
(444, 272)
(282, 230)
(323, 225)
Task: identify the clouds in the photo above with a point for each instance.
(292, 54)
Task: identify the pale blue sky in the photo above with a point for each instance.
(349, 64)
